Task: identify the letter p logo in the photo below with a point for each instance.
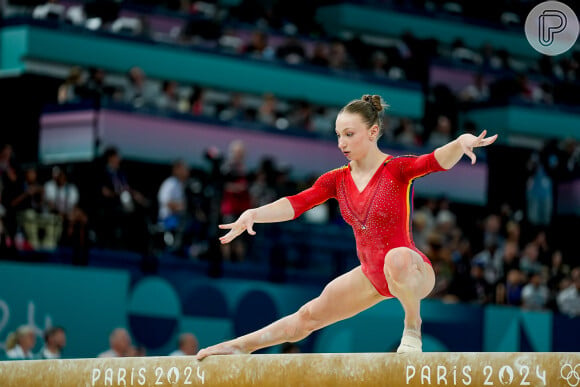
(551, 22)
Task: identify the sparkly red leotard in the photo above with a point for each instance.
(380, 215)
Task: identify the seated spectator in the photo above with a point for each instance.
(187, 345)
(535, 294)
(95, 89)
(234, 110)
(569, 298)
(291, 51)
(478, 91)
(557, 271)
(173, 214)
(120, 344)
(69, 91)
(441, 133)
(168, 100)
(320, 55)
(509, 292)
(267, 113)
(301, 116)
(20, 343)
(54, 343)
(405, 133)
(529, 263)
(197, 101)
(258, 46)
(62, 198)
(122, 217)
(338, 58)
(137, 91)
(40, 227)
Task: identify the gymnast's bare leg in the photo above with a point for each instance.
(342, 298)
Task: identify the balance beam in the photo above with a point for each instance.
(357, 369)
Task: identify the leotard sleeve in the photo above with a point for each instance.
(407, 168)
(323, 189)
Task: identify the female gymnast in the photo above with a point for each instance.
(374, 191)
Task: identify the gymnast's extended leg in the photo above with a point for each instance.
(343, 297)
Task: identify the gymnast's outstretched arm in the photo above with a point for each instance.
(279, 211)
(448, 155)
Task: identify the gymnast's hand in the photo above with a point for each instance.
(469, 141)
(244, 223)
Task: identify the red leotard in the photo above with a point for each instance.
(380, 215)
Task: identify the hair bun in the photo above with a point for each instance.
(376, 101)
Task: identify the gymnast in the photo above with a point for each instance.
(374, 191)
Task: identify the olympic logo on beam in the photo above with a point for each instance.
(570, 374)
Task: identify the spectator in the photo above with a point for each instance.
(535, 294)
(173, 214)
(557, 271)
(69, 90)
(379, 62)
(510, 291)
(262, 189)
(258, 46)
(478, 91)
(54, 343)
(20, 343)
(234, 110)
(291, 51)
(8, 188)
(122, 207)
(267, 113)
(119, 344)
(529, 263)
(197, 101)
(236, 196)
(137, 92)
(320, 55)
(441, 134)
(187, 345)
(301, 116)
(31, 215)
(168, 99)
(95, 89)
(62, 198)
(338, 58)
(405, 133)
(509, 258)
(569, 298)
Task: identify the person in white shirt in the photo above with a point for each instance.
(535, 294)
(62, 199)
(173, 215)
(54, 343)
(569, 299)
(20, 343)
(187, 345)
(120, 344)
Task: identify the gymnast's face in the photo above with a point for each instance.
(354, 137)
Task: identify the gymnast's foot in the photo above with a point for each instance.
(410, 342)
(220, 349)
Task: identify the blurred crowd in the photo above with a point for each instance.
(22, 343)
(279, 33)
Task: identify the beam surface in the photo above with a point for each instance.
(360, 369)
